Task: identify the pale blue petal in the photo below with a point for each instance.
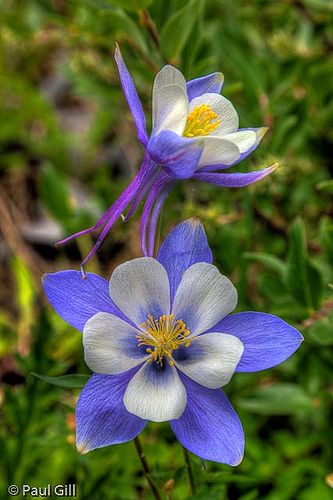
(76, 299)
(209, 426)
(234, 180)
(131, 96)
(101, 417)
(184, 246)
(179, 156)
(267, 339)
(205, 84)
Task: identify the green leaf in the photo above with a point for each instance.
(250, 495)
(315, 284)
(177, 29)
(326, 235)
(70, 381)
(25, 290)
(326, 185)
(316, 490)
(303, 278)
(124, 25)
(268, 261)
(273, 288)
(278, 399)
(55, 194)
(296, 268)
(321, 332)
(130, 4)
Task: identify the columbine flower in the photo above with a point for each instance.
(161, 343)
(195, 134)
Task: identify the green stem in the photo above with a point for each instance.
(146, 469)
(189, 472)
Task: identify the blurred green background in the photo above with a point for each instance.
(68, 148)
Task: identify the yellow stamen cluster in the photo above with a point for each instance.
(163, 336)
(201, 121)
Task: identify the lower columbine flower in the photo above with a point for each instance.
(195, 135)
(161, 344)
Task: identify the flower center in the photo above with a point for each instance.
(163, 336)
(201, 121)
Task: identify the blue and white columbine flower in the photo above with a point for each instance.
(195, 134)
(161, 342)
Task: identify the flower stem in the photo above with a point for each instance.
(146, 469)
(189, 472)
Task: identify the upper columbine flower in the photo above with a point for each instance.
(195, 129)
(161, 344)
(195, 134)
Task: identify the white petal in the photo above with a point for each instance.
(244, 139)
(170, 101)
(110, 344)
(156, 395)
(223, 108)
(203, 298)
(217, 151)
(170, 109)
(169, 75)
(140, 287)
(215, 358)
